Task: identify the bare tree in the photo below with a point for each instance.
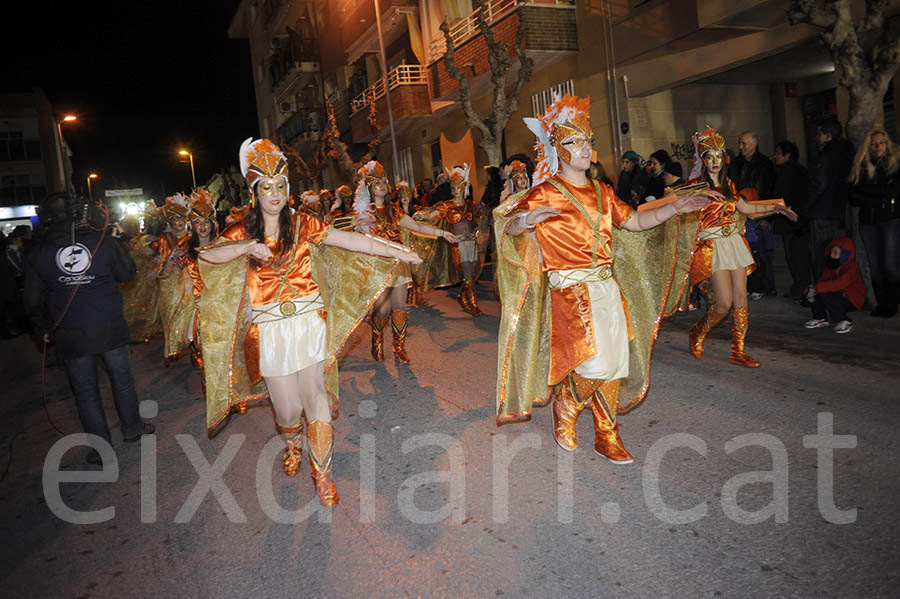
(338, 150)
(307, 171)
(866, 49)
(504, 104)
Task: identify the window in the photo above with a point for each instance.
(541, 100)
(403, 167)
(16, 189)
(33, 149)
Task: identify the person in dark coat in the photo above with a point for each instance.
(72, 297)
(632, 180)
(753, 170)
(828, 190)
(656, 186)
(875, 189)
(792, 185)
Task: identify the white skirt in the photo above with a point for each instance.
(610, 362)
(731, 253)
(291, 344)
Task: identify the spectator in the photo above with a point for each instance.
(875, 180)
(441, 192)
(596, 171)
(72, 293)
(422, 191)
(840, 290)
(792, 184)
(672, 174)
(828, 190)
(490, 197)
(752, 170)
(656, 187)
(13, 273)
(632, 179)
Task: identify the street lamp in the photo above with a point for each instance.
(62, 152)
(90, 192)
(191, 158)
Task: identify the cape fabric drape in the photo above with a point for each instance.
(652, 269)
(349, 283)
(176, 308)
(140, 296)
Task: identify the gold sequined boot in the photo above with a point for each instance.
(293, 450)
(320, 436)
(607, 442)
(472, 300)
(698, 334)
(398, 327)
(566, 408)
(740, 324)
(378, 324)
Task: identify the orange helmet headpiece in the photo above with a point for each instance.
(262, 158)
(202, 206)
(566, 117)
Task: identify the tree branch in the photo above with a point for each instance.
(813, 12)
(472, 117)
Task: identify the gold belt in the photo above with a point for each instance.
(718, 232)
(560, 279)
(288, 308)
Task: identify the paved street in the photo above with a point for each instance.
(558, 525)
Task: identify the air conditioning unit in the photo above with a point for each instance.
(287, 106)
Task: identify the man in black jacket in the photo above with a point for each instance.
(72, 293)
(752, 170)
(792, 184)
(828, 190)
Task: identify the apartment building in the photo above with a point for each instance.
(656, 71)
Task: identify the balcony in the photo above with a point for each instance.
(358, 24)
(410, 100)
(550, 34)
(296, 58)
(305, 124)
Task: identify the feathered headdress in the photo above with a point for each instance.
(309, 196)
(262, 158)
(515, 165)
(369, 172)
(567, 116)
(202, 205)
(705, 141)
(176, 205)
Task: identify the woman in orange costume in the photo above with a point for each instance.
(343, 197)
(376, 216)
(722, 254)
(202, 214)
(175, 300)
(287, 306)
(464, 217)
(566, 326)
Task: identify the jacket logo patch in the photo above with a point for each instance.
(74, 259)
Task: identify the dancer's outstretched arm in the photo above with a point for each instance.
(367, 244)
(408, 223)
(641, 221)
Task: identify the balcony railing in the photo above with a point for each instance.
(467, 28)
(404, 74)
(306, 123)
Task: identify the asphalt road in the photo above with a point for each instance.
(728, 495)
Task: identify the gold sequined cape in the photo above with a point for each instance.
(437, 268)
(176, 307)
(652, 269)
(349, 283)
(140, 296)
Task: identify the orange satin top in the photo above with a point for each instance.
(193, 270)
(567, 240)
(456, 213)
(168, 243)
(266, 287)
(718, 213)
(380, 227)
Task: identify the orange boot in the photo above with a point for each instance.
(378, 324)
(607, 441)
(471, 300)
(698, 334)
(320, 436)
(398, 327)
(293, 451)
(740, 324)
(565, 410)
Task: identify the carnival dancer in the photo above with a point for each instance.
(375, 215)
(140, 296)
(311, 203)
(202, 214)
(340, 214)
(305, 300)
(565, 324)
(465, 220)
(327, 199)
(175, 296)
(517, 177)
(403, 199)
(722, 255)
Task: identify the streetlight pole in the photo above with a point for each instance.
(62, 151)
(191, 159)
(90, 191)
(387, 89)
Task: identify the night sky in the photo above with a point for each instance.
(145, 78)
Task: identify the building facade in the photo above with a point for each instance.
(656, 71)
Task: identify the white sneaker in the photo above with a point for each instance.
(816, 323)
(757, 295)
(844, 326)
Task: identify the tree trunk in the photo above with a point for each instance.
(866, 111)
(493, 150)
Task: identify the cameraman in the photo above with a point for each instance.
(72, 293)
